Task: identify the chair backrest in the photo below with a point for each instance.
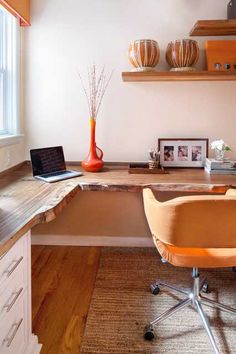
(194, 221)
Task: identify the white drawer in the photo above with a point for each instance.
(11, 294)
(12, 261)
(13, 330)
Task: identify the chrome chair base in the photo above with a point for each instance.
(193, 298)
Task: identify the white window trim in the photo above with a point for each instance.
(10, 139)
(13, 134)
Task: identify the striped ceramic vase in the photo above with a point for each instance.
(182, 54)
(144, 54)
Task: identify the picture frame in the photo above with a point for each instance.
(183, 152)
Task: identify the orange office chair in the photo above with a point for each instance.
(194, 232)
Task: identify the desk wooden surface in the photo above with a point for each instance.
(25, 201)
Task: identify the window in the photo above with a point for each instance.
(9, 80)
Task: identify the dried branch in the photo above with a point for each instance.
(97, 86)
(88, 98)
(104, 88)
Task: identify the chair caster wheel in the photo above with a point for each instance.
(149, 334)
(205, 288)
(154, 289)
(234, 269)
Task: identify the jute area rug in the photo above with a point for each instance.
(122, 305)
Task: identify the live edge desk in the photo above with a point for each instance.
(25, 202)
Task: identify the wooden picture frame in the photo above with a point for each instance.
(183, 152)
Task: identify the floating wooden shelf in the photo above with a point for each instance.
(178, 76)
(214, 28)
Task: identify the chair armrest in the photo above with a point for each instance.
(231, 192)
(149, 195)
(160, 215)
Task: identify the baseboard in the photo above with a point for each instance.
(34, 347)
(113, 241)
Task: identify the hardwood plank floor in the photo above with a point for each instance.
(63, 279)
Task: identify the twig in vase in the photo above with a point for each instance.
(97, 86)
(88, 98)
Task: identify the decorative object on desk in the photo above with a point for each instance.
(217, 167)
(97, 85)
(231, 10)
(183, 152)
(153, 164)
(143, 168)
(221, 55)
(182, 55)
(144, 54)
(220, 147)
(154, 158)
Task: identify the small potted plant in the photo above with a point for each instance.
(220, 147)
(154, 159)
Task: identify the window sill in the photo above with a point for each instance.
(10, 139)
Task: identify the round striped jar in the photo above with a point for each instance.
(144, 54)
(182, 54)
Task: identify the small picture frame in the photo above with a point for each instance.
(183, 152)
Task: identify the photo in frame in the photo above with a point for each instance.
(183, 152)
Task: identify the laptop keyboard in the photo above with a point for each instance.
(54, 174)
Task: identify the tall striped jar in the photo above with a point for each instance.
(182, 54)
(144, 54)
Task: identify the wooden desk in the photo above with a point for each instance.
(25, 202)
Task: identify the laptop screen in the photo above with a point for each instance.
(47, 160)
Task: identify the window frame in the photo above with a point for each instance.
(10, 71)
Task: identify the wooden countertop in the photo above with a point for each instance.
(25, 201)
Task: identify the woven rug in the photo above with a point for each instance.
(122, 304)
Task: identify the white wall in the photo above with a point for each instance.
(11, 155)
(67, 36)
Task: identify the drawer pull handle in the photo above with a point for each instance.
(9, 272)
(9, 340)
(17, 294)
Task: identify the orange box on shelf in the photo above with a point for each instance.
(221, 55)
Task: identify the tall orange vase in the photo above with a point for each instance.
(93, 162)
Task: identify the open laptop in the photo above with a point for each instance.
(48, 164)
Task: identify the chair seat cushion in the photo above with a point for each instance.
(197, 257)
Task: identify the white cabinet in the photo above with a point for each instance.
(15, 300)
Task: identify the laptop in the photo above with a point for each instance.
(48, 164)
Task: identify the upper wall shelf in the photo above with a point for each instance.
(178, 76)
(214, 28)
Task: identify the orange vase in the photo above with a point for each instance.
(93, 162)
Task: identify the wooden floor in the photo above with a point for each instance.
(62, 284)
